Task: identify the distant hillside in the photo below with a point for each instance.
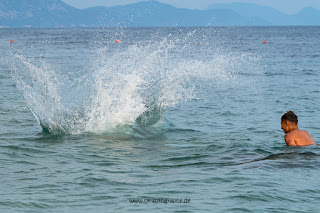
(153, 13)
(37, 13)
(55, 13)
(307, 16)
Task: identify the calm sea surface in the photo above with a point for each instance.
(167, 120)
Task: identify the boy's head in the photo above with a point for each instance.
(289, 120)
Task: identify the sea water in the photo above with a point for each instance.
(167, 120)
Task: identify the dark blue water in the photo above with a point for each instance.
(167, 120)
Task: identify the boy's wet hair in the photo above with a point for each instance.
(290, 116)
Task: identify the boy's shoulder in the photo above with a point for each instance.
(298, 138)
(293, 133)
(289, 137)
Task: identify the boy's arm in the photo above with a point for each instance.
(289, 140)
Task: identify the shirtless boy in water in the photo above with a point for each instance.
(294, 136)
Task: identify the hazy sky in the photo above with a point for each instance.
(287, 6)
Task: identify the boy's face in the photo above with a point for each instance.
(285, 126)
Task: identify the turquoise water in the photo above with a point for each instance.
(167, 120)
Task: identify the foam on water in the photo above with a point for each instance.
(127, 89)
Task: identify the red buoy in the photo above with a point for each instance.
(118, 41)
(264, 42)
(11, 41)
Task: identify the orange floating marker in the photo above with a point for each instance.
(264, 42)
(11, 41)
(118, 41)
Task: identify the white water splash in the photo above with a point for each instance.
(130, 87)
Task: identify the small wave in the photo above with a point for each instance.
(292, 156)
(187, 158)
(289, 159)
